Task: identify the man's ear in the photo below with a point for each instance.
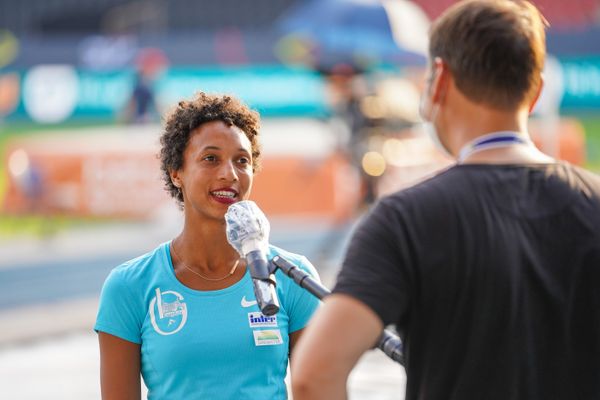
(537, 95)
(441, 79)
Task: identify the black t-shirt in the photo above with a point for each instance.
(492, 275)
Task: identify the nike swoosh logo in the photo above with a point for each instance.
(246, 303)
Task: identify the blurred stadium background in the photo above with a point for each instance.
(83, 85)
(326, 75)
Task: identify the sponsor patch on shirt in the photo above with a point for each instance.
(258, 320)
(168, 312)
(268, 337)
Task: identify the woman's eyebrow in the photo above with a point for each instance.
(209, 147)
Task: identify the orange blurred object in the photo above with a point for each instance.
(92, 175)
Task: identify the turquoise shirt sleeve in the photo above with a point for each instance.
(118, 312)
(301, 304)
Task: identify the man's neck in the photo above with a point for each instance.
(481, 121)
(472, 122)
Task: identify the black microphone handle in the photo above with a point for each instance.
(263, 282)
(391, 345)
(388, 342)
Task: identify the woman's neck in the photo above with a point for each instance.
(205, 244)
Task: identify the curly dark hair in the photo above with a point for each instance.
(189, 115)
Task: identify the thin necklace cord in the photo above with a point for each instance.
(231, 272)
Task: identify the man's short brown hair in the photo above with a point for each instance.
(495, 50)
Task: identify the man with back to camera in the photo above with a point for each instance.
(491, 269)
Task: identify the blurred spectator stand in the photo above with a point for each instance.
(361, 33)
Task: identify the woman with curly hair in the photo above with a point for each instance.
(183, 316)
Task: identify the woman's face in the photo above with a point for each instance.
(217, 169)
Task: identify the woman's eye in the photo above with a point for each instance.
(244, 160)
(210, 158)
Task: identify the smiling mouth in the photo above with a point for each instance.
(224, 195)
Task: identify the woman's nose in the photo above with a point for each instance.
(227, 172)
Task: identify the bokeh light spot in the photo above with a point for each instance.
(18, 163)
(373, 163)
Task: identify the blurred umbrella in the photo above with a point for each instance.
(359, 32)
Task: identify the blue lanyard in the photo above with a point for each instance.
(491, 141)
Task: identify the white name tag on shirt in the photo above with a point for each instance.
(269, 337)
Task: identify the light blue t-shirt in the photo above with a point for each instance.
(204, 344)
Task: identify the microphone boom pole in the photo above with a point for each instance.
(388, 342)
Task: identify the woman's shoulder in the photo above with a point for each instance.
(136, 268)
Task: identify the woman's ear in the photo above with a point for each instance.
(175, 178)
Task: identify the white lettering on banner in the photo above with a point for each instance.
(582, 80)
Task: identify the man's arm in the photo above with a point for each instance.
(341, 331)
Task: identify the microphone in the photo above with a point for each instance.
(248, 233)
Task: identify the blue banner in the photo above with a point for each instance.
(52, 94)
(581, 83)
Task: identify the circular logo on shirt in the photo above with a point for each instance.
(168, 312)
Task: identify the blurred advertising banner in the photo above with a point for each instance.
(98, 173)
(52, 94)
(114, 172)
(581, 83)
